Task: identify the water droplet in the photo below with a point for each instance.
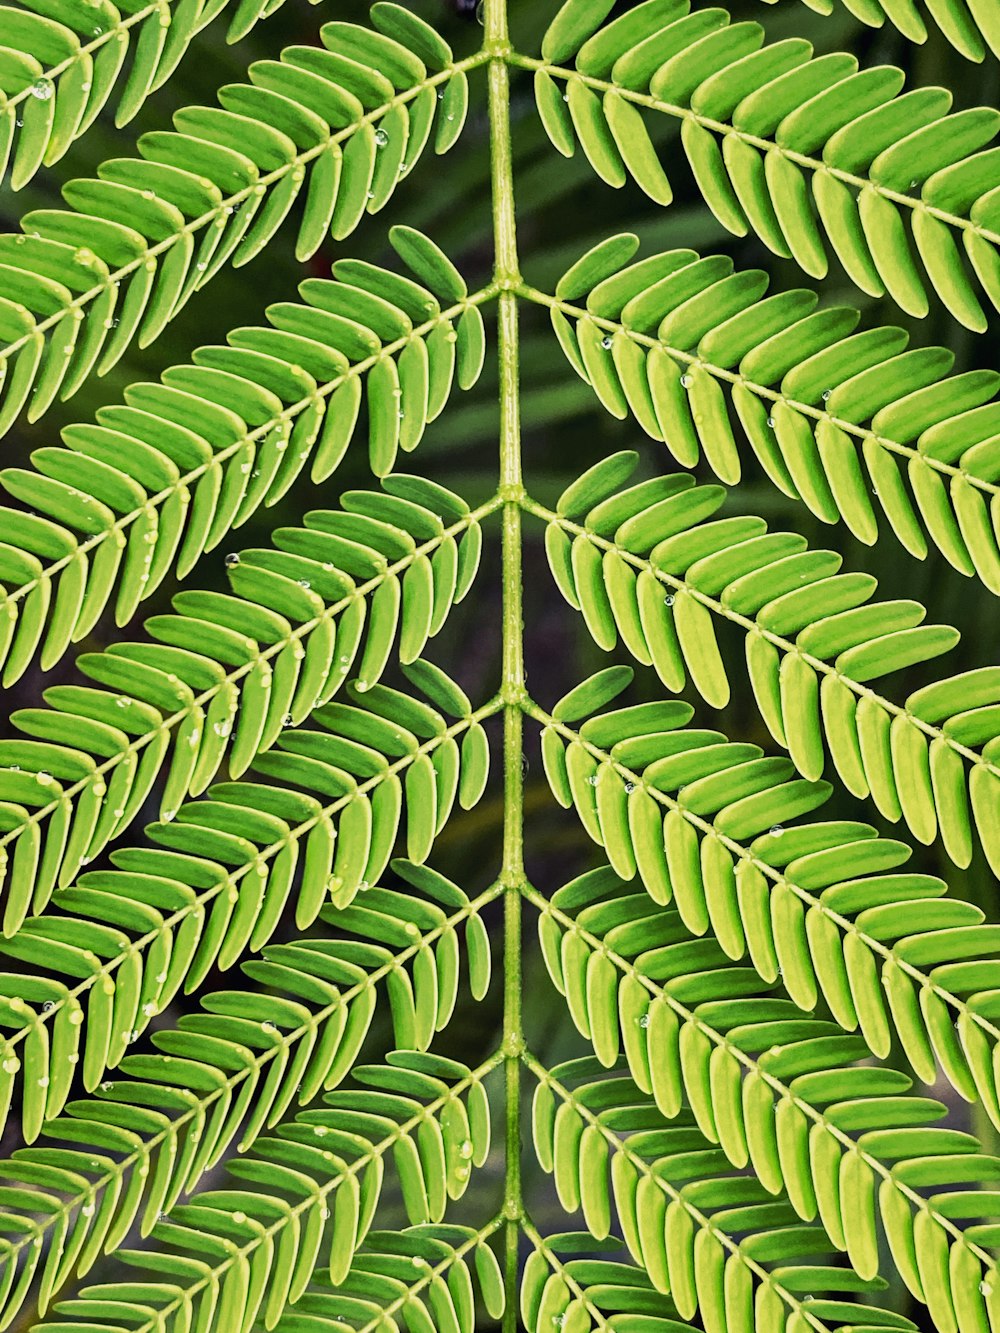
(48, 1006)
(87, 1210)
(826, 394)
(381, 138)
(268, 1026)
(361, 686)
(239, 1218)
(465, 1150)
(11, 1065)
(686, 381)
(304, 583)
(630, 787)
(606, 343)
(644, 1021)
(232, 559)
(775, 829)
(42, 89)
(287, 720)
(668, 600)
(770, 421)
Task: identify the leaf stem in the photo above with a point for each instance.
(507, 279)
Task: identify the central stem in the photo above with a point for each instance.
(507, 277)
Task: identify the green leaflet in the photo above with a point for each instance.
(807, 391)
(215, 188)
(226, 674)
(805, 150)
(225, 871)
(66, 68)
(971, 27)
(827, 905)
(287, 1048)
(283, 1240)
(174, 468)
(781, 1109)
(643, 1167)
(814, 643)
(442, 1293)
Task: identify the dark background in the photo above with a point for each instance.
(562, 210)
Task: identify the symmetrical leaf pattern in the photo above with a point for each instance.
(62, 62)
(240, 803)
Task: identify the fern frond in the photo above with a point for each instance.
(971, 26)
(63, 62)
(778, 1091)
(227, 673)
(231, 1074)
(166, 475)
(313, 1191)
(645, 563)
(748, 977)
(560, 1287)
(80, 285)
(806, 390)
(711, 1239)
(703, 822)
(788, 146)
(382, 1285)
(227, 868)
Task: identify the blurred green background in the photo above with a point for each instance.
(562, 210)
